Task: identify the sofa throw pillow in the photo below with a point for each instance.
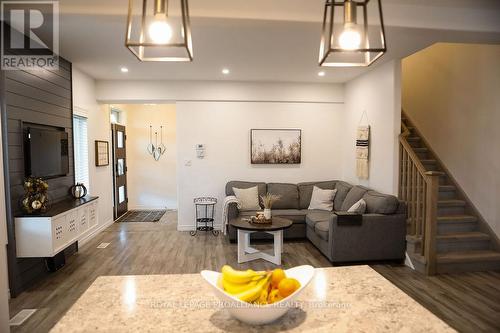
(322, 199)
(358, 208)
(248, 198)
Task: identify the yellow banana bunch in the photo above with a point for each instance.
(258, 287)
(236, 288)
(234, 276)
(249, 286)
(264, 294)
(254, 293)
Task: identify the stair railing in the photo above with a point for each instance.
(419, 188)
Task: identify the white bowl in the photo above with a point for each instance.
(260, 314)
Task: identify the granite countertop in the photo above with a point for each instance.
(339, 299)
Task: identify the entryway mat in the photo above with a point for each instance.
(142, 216)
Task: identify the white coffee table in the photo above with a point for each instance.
(244, 229)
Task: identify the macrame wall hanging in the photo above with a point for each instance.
(363, 148)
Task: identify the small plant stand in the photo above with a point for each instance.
(205, 213)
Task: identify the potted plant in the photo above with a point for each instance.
(268, 200)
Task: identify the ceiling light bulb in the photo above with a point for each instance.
(350, 38)
(124, 69)
(226, 71)
(321, 74)
(160, 31)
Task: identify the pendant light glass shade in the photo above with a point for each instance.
(353, 33)
(159, 30)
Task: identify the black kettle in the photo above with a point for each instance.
(78, 190)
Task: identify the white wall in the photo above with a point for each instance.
(151, 184)
(224, 128)
(379, 93)
(99, 128)
(4, 279)
(221, 114)
(452, 92)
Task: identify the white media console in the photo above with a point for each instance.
(48, 234)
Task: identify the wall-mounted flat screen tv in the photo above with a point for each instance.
(45, 151)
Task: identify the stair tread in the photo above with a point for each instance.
(459, 236)
(447, 188)
(428, 161)
(468, 256)
(464, 236)
(456, 219)
(413, 138)
(451, 202)
(420, 149)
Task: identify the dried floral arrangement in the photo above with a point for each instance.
(35, 199)
(269, 199)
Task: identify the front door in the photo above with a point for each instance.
(119, 170)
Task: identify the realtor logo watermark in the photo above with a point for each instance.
(30, 35)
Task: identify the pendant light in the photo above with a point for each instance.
(156, 33)
(353, 33)
(156, 150)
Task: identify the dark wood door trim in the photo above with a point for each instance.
(119, 136)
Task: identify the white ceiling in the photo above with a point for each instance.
(262, 40)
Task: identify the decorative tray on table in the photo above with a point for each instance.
(260, 219)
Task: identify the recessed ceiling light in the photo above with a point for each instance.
(124, 69)
(321, 74)
(226, 71)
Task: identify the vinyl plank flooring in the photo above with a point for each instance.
(468, 302)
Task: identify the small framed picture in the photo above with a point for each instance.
(101, 153)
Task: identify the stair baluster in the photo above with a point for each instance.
(420, 190)
(432, 180)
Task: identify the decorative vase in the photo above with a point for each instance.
(78, 191)
(267, 213)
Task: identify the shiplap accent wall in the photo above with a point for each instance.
(42, 97)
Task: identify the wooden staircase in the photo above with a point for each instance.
(446, 233)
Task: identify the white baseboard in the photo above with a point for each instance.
(151, 208)
(191, 227)
(185, 227)
(94, 233)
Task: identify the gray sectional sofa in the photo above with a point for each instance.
(380, 236)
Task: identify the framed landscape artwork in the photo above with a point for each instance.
(275, 146)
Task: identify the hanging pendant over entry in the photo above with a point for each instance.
(151, 146)
(156, 149)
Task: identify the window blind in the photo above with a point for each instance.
(81, 150)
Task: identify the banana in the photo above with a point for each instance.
(236, 288)
(234, 276)
(262, 300)
(274, 296)
(252, 294)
